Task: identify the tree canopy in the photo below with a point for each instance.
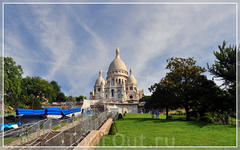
(225, 69)
(178, 88)
(12, 77)
(38, 87)
(185, 86)
(185, 76)
(81, 97)
(56, 87)
(26, 92)
(225, 65)
(164, 95)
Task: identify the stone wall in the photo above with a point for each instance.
(129, 108)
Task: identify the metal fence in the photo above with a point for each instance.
(30, 133)
(69, 137)
(74, 134)
(114, 116)
(25, 132)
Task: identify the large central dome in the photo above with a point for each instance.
(117, 63)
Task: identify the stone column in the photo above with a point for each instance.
(115, 94)
(102, 87)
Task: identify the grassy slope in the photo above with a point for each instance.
(169, 132)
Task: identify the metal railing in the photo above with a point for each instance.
(69, 137)
(114, 115)
(77, 132)
(30, 133)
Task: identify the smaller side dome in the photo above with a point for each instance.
(131, 79)
(100, 80)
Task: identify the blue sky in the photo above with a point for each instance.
(70, 43)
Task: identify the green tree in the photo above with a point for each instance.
(37, 103)
(225, 69)
(70, 98)
(184, 75)
(36, 87)
(24, 99)
(12, 78)
(9, 101)
(147, 100)
(81, 97)
(163, 95)
(56, 87)
(61, 97)
(144, 98)
(31, 88)
(50, 90)
(209, 97)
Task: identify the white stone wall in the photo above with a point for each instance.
(129, 108)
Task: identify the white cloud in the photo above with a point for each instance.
(75, 42)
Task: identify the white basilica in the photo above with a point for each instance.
(119, 87)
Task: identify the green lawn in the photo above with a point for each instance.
(58, 127)
(8, 140)
(142, 130)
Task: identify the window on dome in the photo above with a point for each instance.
(116, 80)
(131, 97)
(119, 80)
(131, 88)
(116, 71)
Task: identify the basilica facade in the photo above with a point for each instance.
(119, 85)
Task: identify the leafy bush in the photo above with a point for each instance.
(207, 119)
(120, 116)
(195, 114)
(113, 129)
(74, 117)
(180, 111)
(37, 104)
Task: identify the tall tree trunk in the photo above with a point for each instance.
(166, 112)
(33, 104)
(187, 113)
